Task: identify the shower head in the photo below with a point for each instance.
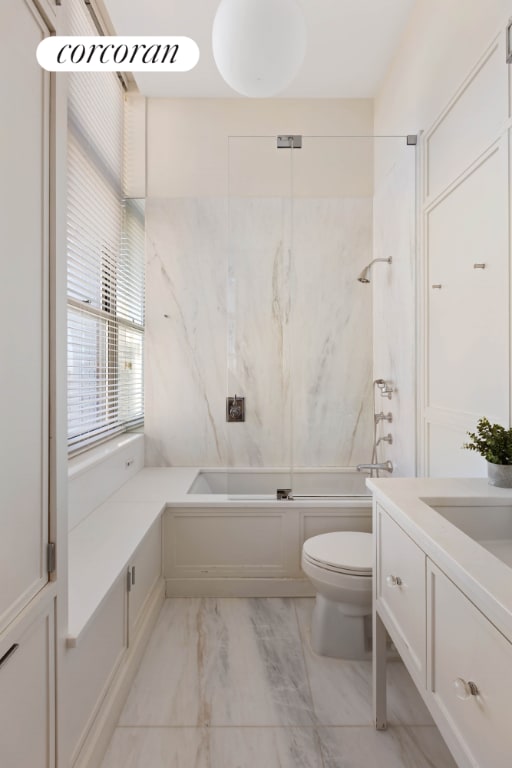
(363, 277)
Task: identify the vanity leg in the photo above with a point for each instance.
(379, 672)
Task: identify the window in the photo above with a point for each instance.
(105, 250)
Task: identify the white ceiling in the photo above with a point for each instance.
(350, 45)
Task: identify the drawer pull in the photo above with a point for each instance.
(464, 690)
(5, 658)
(437, 285)
(393, 581)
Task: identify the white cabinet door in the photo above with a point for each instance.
(145, 570)
(469, 675)
(400, 592)
(89, 668)
(27, 674)
(24, 185)
(468, 315)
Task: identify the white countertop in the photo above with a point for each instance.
(485, 579)
(99, 548)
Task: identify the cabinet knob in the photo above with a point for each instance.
(393, 581)
(465, 689)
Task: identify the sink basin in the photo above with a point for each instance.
(486, 522)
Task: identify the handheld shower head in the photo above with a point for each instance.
(363, 277)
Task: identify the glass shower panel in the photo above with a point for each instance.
(352, 201)
(303, 347)
(258, 314)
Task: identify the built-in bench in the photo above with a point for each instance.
(113, 504)
(115, 591)
(100, 549)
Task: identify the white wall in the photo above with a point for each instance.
(443, 43)
(255, 293)
(187, 139)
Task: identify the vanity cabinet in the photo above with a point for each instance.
(27, 669)
(469, 666)
(400, 590)
(461, 663)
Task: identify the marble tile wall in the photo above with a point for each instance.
(258, 297)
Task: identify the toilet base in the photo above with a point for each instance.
(339, 635)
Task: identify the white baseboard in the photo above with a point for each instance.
(98, 738)
(257, 587)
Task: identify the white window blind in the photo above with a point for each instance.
(105, 247)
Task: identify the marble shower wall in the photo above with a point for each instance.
(258, 296)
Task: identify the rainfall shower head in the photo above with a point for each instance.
(363, 277)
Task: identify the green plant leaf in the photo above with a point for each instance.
(492, 441)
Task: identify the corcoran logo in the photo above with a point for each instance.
(117, 54)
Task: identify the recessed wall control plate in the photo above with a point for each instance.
(289, 141)
(235, 408)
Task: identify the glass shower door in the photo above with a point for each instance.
(259, 298)
(303, 349)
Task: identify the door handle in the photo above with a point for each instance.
(5, 658)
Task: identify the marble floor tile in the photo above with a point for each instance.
(214, 748)
(158, 748)
(398, 747)
(224, 684)
(265, 748)
(342, 690)
(166, 688)
(222, 662)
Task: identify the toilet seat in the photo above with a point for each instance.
(344, 552)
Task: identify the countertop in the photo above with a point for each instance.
(485, 579)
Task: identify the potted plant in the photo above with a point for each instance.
(494, 443)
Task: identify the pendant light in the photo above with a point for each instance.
(259, 45)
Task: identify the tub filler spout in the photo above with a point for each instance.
(385, 466)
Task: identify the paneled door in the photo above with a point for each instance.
(24, 195)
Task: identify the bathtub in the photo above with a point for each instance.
(328, 483)
(230, 536)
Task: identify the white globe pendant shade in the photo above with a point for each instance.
(259, 45)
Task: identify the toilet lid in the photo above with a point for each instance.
(347, 551)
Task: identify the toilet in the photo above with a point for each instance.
(339, 565)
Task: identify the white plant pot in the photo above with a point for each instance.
(500, 475)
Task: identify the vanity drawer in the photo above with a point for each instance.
(401, 593)
(464, 647)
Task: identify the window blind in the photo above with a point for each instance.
(105, 251)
